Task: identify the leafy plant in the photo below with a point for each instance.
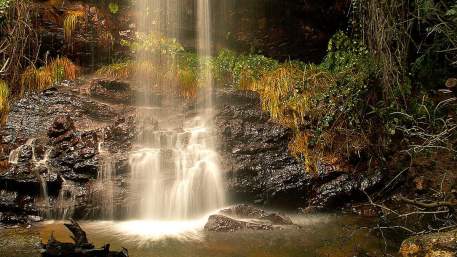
(241, 70)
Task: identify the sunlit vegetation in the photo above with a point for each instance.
(57, 70)
(70, 23)
(4, 101)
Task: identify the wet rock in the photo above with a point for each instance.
(120, 136)
(245, 211)
(17, 208)
(431, 245)
(112, 91)
(221, 223)
(61, 126)
(26, 178)
(259, 168)
(31, 116)
(346, 187)
(255, 151)
(74, 154)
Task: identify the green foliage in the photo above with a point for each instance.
(4, 94)
(119, 70)
(4, 5)
(154, 45)
(240, 70)
(113, 8)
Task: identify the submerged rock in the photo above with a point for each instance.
(246, 217)
(221, 223)
(431, 245)
(245, 211)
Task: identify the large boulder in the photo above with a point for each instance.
(246, 217)
(244, 211)
(221, 223)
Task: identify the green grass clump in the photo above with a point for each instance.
(4, 101)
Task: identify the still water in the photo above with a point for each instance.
(321, 235)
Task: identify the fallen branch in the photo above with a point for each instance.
(431, 205)
(81, 247)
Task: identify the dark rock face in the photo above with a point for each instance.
(30, 117)
(50, 137)
(17, 208)
(119, 136)
(254, 151)
(52, 140)
(282, 29)
(259, 169)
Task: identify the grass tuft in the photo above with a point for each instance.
(38, 79)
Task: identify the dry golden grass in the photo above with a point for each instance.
(184, 78)
(38, 79)
(289, 94)
(188, 82)
(71, 21)
(121, 71)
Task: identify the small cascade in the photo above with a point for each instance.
(104, 187)
(66, 201)
(14, 158)
(44, 188)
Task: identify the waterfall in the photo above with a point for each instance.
(175, 174)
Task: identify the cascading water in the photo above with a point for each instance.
(14, 157)
(175, 175)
